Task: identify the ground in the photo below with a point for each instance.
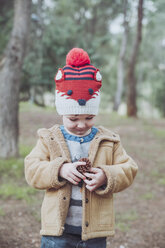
(139, 210)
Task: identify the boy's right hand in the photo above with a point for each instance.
(69, 171)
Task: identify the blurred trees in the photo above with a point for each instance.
(10, 75)
(97, 26)
(151, 68)
(6, 17)
(121, 63)
(131, 77)
(65, 25)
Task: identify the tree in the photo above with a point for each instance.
(151, 63)
(131, 77)
(6, 19)
(10, 76)
(120, 73)
(69, 24)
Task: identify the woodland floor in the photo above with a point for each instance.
(140, 215)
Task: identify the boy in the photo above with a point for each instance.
(77, 209)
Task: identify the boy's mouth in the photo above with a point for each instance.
(82, 131)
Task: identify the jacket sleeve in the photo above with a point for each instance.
(121, 174)
(40, 172)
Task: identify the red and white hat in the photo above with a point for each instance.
(78, 85)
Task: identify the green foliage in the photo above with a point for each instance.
(158, 175)
(12, 178)
(151, 67)
(148, 196)
(12, 168)
(6, 17)
(30, 107)
(123, 221)
(87, 24)
(66, 25)
(161, 181)
(157, 132)
(19, 192)
(160, 95)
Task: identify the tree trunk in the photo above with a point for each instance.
(131, 77)
(10, 76)
(120, 74)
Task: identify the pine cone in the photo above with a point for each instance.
(86, 167)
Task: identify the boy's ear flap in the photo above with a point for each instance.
(59, 77)
(97, 76)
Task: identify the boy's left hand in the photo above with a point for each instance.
(98, 179)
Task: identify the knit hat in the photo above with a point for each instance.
(77, 85)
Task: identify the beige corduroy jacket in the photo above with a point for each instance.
(42, 167)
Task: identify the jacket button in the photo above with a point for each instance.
(64, 198)
(86, 200)
(87, 223)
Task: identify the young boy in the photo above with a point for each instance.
(77, 210)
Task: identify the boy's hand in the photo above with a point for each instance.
(98, 179)
(69, 171)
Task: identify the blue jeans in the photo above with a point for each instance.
(71, 241)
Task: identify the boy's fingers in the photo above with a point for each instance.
(73, 182)
(90, 183)
(78, 174)
(90, 175)
(75, 178)
(79, 163)
(94, 170)
(90, 188)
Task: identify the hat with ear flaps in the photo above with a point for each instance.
(78, 85)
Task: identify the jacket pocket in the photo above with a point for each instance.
(102, 212)
(49, 208)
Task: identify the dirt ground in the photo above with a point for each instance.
(140, 215)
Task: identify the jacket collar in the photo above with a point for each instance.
(102, 135)
(80, 139)
(54, 134)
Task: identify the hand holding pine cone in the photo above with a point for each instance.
(86, 167)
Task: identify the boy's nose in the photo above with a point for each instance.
(81, 125)
(81, 102)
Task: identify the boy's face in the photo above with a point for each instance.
(78, 124)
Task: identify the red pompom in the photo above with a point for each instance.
(77, 57)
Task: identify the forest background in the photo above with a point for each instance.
(99, 27)
(126, 40)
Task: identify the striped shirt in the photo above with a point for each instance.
(78, 147)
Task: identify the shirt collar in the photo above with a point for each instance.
(82, 139)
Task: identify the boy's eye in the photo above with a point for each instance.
(73, 119)
(90, 90)
(69, 92)
(89, 118)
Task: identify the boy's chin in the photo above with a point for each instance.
(83, 132)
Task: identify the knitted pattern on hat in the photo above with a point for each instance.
(77, 85)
